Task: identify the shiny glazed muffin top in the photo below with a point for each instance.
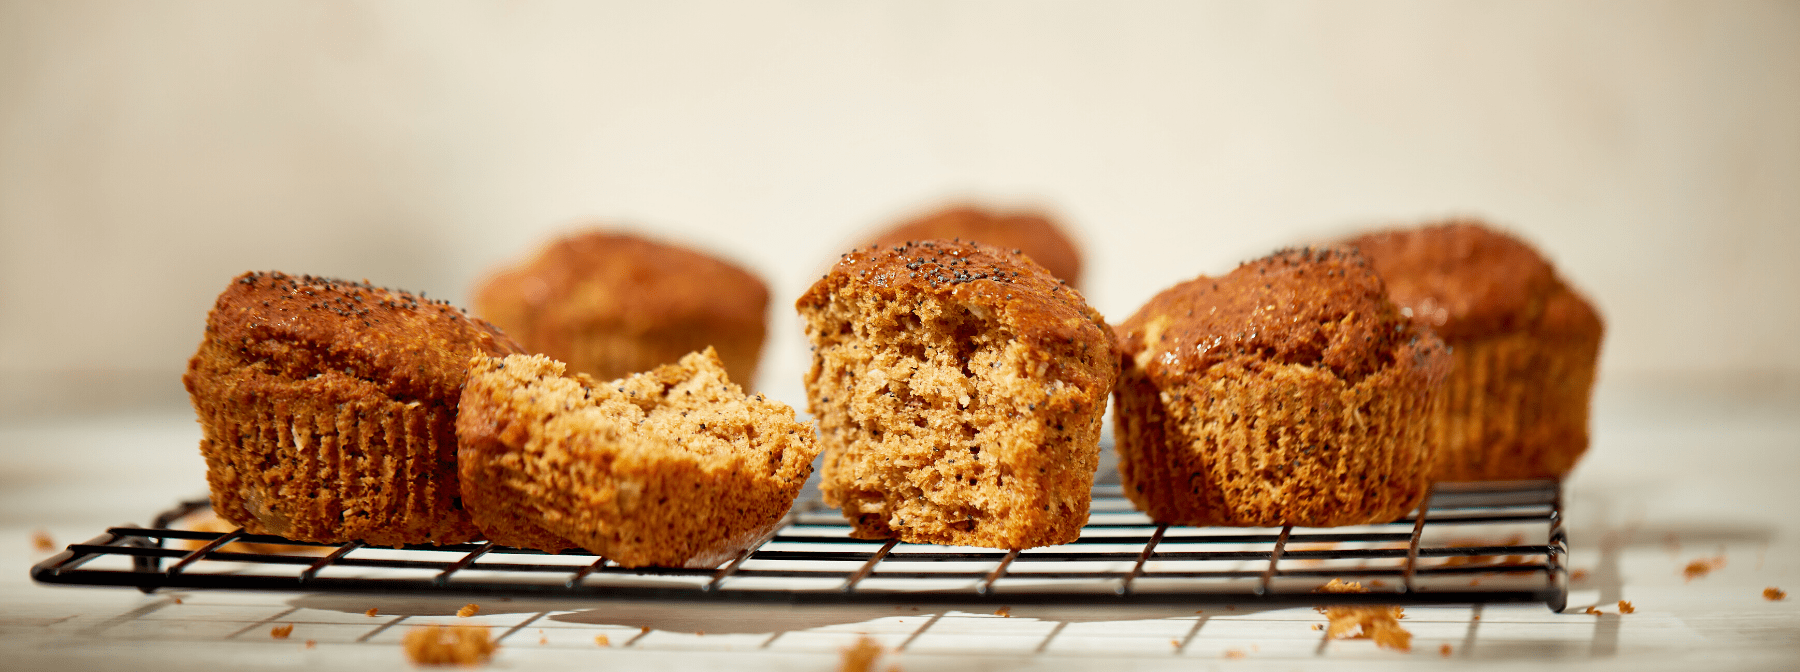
(1033, 233)
(1466, 280)
(1312, 306)
(990, 280)
(296, 327)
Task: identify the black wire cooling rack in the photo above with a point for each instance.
(1470, 543)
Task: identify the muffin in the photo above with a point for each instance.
(610, 304)
(672, 467)
(1291, 391)
(959, 390)
(1030, 232)
(327, 409)
(1525, 347)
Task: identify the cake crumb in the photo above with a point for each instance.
(861, 656)
(1380, 623)
(312, 643)
(468, 610)
(371, 612)
(602, 640)
(41, 541)
(1003, 612)
(1318, 626)
(1774, 594)
(1591, 611)
(1626, 608)
(177, 600)
(1456, 560)
(1702, 567)
(1445, 650)
(281, 631)
(1234, 654)
(449, 645)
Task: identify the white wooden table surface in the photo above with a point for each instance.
(1678, 472)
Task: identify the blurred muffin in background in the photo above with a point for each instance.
(1525, 347)
(610, 304)
(1029, 232)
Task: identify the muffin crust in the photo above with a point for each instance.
(1033, 233)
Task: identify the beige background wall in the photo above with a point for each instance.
(151, 151)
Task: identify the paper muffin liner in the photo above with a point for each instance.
(1277, 444)
(1516, 407)
(310, 468)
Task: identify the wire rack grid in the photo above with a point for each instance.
(1470, 543)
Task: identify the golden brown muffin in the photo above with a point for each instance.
(328, 409)
(1291, 391)
(1029, 232)
(610, 304)
(959, 390)
(672, 467)
(1525, 347)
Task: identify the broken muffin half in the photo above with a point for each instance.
(671, 467)
(959, 390)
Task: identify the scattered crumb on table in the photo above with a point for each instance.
(1702, 567)
(281, 631)
(468, 610)
(861, 656)
(1380, 623)
(449, 645)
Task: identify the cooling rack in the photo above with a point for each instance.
(1470, 543)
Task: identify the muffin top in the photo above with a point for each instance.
(1466, 280)
(1031, 232)
(621, 278)
(1312, 306)
(296, 327)
(1002, 285)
